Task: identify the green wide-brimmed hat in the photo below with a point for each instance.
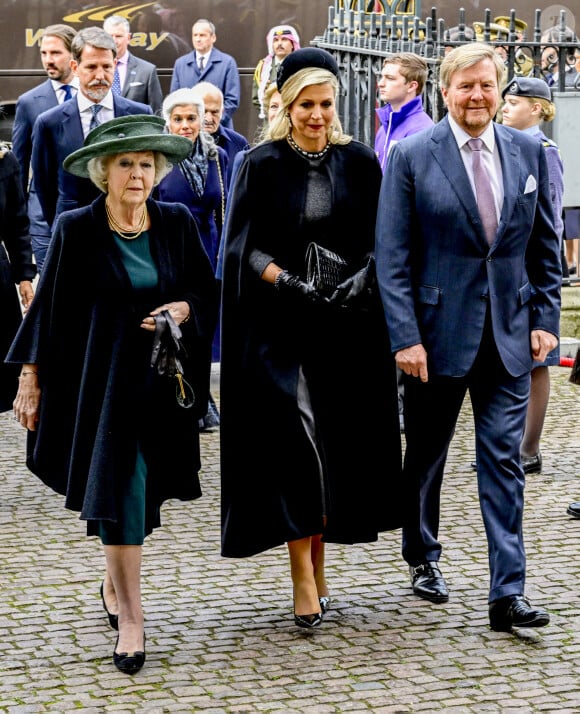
(135, 132)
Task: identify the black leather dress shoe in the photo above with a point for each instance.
(574, 509)
(515, 611)
(428, 583)
(532, 464)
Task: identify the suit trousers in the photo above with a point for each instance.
(499, 403)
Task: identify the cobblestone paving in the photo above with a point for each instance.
(220, 636)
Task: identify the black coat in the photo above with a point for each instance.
(15, 265)
(270, 483)
(98, 393)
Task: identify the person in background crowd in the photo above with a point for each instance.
(468, 268)
(199, 182)
(228, 139)
(206, 63)
(528, 103)
(281, 40)
(61, 130)
(105, 429)
(297, 362)
(400, 87)
(16, 267)
(134, 78)
(61, 85)
(550, 59)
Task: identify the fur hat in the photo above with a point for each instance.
(303, 59)
(135, 132)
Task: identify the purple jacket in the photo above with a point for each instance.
(397, 125)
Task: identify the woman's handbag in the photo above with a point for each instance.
(324, 269)
(166, 356)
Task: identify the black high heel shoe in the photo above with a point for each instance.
(129, 662)
(113, 619)
(324, 603)
(308, 621)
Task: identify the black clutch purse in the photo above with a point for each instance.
(324, 269)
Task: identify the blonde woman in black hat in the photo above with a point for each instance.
(527, 103)
(105, 430)
(309, 366)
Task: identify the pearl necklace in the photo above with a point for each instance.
(310, 155)
(116, 226)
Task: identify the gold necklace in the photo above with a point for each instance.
(116, 226)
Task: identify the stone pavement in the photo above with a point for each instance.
(220, 636)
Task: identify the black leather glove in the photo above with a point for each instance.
(292, 285)
(355, 288)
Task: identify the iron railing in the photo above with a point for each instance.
(360, 40)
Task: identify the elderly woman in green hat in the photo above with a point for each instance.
(105, 429)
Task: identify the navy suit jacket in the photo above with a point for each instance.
(438, 275)
(57, 133)
(142, 83)
(221, 70)
(29, 105)
(231, 142)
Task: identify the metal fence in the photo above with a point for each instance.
(361, 40)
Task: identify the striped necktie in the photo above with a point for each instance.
(201, 63)
(95, 108)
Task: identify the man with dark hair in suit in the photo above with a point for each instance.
(206, 63)
(60, 131)
(61, 85)
(469, 272)
(135, 78)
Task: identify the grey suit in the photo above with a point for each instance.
(142, 83)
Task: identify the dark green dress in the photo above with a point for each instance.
(138, 516)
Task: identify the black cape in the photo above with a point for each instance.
(98, 394)
(15, 265)
(270, 483)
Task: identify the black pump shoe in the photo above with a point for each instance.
(129, 662)
(308, 621)
(113, 619)
(324, 603)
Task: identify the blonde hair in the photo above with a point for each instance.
(466, 56)
(291, 88)
(98, 168)
(548, 108)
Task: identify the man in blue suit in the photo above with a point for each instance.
(61, 85)
(61, 130)
(469, 274)
(210, 65)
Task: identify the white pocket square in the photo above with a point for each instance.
(138, 84)
(530, 184)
